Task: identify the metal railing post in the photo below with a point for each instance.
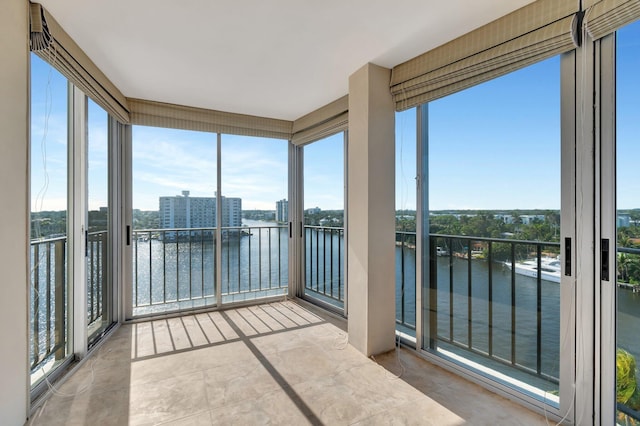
(104, 301)
(490, 296)
(513, 303)
(48, 284)
(469, 296)
(539, 311)
(36, 305)
(433, 293)
(60, 298)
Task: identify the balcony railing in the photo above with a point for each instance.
(254, 262)
(97, 274)
(176, 268)
(48, 333)
(406, 282)
(482, 304)
(172, 266)
(478, 304)
(324, 268)
(49, 293)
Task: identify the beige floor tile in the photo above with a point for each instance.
(168, 399)
(341, 406)
(247, 328)
(303, 364)
(211, 332)
(200, 419)
(89, 408)
(282, 341)
(257, 323)
(272, 317)
(124, 331)
(177, 364)
(96, 377)
(179, 334)
(220, 323)
(424, 412)
(236, 383)
(113, 354)
(298, 313)
(194, 331)
(274, 408)
(163, 340)
(144, 343)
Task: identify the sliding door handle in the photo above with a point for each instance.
(567, 256)
(604, 259)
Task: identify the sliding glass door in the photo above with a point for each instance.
(50, 287)
(496, 285)
(98, 251)
(71, 291)
(174, 220)
(628, 224)
(619, 257)
(323, 237)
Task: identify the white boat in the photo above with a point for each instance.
(550, 268)
(441, 252)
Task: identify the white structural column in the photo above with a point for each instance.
(371, 211)
(14, 210)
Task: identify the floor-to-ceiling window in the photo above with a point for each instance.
(255, 215)
(99, 211)
(406, 221)
(324, 242)
(49, 330)
(210, 215)
(174, 219)
(492, 293)
(627, 274)
(71, 295)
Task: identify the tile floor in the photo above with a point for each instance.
(279, 363)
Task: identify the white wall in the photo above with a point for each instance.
(14, 193)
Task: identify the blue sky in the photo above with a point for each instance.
(167, 162)
(48, 137)
(97, 153)
(324, 173)
(628, 117)
(49, 143)
(493, 146)
(497, 145)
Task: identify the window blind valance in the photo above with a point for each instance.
(606, 16)
(326, 121)
(535, 32)
(158, 114)
(50, 42)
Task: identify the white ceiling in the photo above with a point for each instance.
(271, 58)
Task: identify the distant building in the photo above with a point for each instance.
(282, 210)
(528, 219)
(624, 220)
(231, 211)
(505, 218)
(183, 211)
(313, 210)
(525, 219)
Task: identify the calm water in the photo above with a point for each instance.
(254, 262)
